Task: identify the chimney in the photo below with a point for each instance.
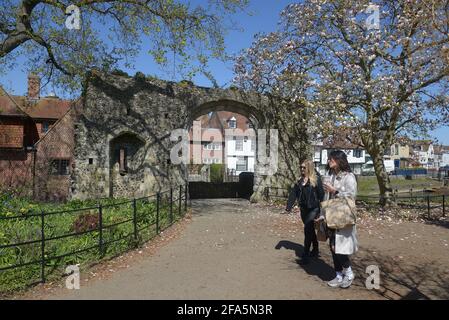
(34, 84)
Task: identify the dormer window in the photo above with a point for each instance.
(232, 123)
(45, 127)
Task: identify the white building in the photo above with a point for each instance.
(356, 158)
(444, 160)
(240, 151)
(441, 156)
(323, 147)
(226, 138)
(423, 152)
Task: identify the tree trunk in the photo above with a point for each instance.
(383, 180)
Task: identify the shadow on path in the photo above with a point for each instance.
(406, 280)
(315, 267)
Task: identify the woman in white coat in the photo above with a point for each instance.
(343, 242)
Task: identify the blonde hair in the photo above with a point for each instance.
(310, 172)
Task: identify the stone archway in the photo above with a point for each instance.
(151, 109)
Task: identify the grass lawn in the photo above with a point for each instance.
(368, 185)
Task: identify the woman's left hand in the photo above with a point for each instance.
(329, 188)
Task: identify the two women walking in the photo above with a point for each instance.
(309, 191)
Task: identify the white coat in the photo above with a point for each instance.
(346, 238)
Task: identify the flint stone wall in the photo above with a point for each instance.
(147, 110)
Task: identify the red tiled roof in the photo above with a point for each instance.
(345, 138)
(43, 108)
(8, 108)
(49, 108)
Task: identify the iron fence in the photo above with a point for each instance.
(430, 204)
(142, 219)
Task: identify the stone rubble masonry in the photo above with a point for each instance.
(138, 114)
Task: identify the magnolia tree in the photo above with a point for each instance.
(380, 69)
(61, 39)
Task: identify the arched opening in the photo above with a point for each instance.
(126, 155)
(223, 150)
(237, 107)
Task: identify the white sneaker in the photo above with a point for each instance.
(347, 281)
(336, 282)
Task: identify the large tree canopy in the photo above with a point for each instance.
(382, 81)
(110, 30)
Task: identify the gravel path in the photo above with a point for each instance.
(236, 250)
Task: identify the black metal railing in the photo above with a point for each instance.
(436, 203)
(142, 218)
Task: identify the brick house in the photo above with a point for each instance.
(226, 138)
(36, 143)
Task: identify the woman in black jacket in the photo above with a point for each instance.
(309, 192)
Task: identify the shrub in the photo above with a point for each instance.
(85, 222)
(139, 76)
(216, 172)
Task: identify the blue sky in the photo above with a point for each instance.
(263, 17)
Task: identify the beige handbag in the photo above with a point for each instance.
(339, 212)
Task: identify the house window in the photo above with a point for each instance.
(357, 153)
(59, 167)
(232, 123)
(239, 144)
(253, 145)
(212, 146)
(45, 127)
(249, 125)
(242, 164)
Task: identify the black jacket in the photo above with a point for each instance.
(308, 197)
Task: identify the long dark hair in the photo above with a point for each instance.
(341, 159)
